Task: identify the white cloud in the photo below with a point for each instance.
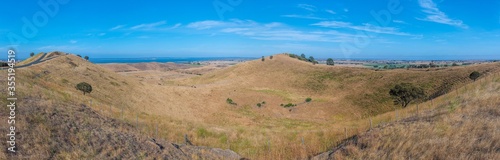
(307, 7)
(273, 24)
(437, 16)
(102, 34)
(303, 16)
(418, 37)
(266, 31)
(175, 26)
(206, 24)
(346, 10)
(399, 21)
(365, 27)
(73, 41)
(117, 27)
(233, 30)
(330, 11)
(148, 26)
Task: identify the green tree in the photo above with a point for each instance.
(474, 75)
(311, 59)
(404, 93)
(32, 54)
(86, 58)
(330, 62)
(303, 56)
(263, 59)
(84, 87)
(454, 64)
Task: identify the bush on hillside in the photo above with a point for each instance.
(474, 75)
(404, 93)
(330, 62)
(308, 99)
(230, 101)
(84, 87)
(289, 105)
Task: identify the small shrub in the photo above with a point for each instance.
(263, 102)
(474, 75)
(270, 57)
(84, 87)
(259, 105)
(230, 101)
(289, 105)
(308, 99)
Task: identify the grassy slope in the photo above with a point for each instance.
(460, 126)
(30, 59)
(55, 121)
(342, 96)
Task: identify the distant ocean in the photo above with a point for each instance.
(167, 59)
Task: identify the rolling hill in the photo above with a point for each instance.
(459, 126)
(197, 107)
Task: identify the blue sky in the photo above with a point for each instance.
(381, 29)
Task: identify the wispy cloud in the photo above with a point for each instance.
(267, 31)
(346, 10)
(307, 7)
(365, 27)
(73, 41)
(303, 16)
(148, 26)
(200, 25)
(437, 16)
(176, 26)
(399, 21)
(330, 11)
(117, 27)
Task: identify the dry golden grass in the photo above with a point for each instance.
(30, 59)
(463, 124)
(343, 98)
